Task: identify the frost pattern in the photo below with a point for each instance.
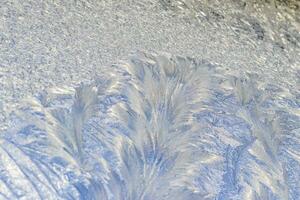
(53, 43)
(155, 127)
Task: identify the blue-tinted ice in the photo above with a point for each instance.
(155, 127)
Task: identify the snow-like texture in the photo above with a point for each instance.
(158, 127)
(222, 126)
(46, 43)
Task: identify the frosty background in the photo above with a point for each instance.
(220, 121)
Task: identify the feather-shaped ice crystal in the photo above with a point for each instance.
(155, 127)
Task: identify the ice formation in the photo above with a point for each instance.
(157, 126)
(53, 43)
(220, 121)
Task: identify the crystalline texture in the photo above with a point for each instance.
(53, 43)
(222, 126)
(155, 127)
